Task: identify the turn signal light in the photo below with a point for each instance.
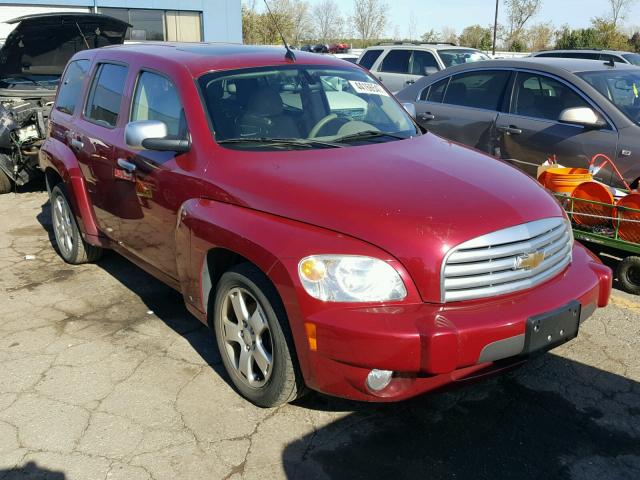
(310, 329)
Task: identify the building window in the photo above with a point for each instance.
(171, 25)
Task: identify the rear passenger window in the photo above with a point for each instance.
(369, 58)
(477, 89)
(105, 95)
(543, 97)
(396, 61)
(436, 92)
(71, 86)
(156, 98)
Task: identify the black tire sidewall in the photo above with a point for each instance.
(624, 269)
(245, 276)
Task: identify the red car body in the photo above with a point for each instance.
(405, 202)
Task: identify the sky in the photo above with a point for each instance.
(435, 14)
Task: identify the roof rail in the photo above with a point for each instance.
(384, 44)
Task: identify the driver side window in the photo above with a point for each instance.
(156, 98)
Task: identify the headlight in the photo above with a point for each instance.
(350, 278)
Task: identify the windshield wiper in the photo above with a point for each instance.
(363, 135)
(297, 142)
(28, 79)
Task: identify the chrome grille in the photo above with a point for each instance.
(508, 260)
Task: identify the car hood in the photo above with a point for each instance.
(43, 44)
(414, 198)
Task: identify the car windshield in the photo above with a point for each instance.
(29, 82)
(294, 107)
(633, 58)
(459, 56)
(621, 87)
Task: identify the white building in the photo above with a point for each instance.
(181, 20)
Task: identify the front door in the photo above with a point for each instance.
(151, 179)
(531, 132)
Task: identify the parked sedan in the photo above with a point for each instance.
(528, 109)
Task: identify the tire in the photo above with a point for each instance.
(6, 184)
(258, 338)
(628, 273)
(71, 246)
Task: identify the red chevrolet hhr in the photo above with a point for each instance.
(302, 213)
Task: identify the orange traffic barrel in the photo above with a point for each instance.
(564, 180)
(590, 214)
(629, 220)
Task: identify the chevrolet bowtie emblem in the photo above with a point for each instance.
(529, 261)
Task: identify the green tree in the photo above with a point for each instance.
(430, 36)
(476, 36)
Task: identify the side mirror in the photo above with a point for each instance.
(430, 70)
(151, 135)
(411, 109)
(583, 116)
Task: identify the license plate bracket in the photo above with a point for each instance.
(551, 329)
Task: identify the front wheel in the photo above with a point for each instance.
(5, 183)
(254, 339)
(72, 247)
(628, 273)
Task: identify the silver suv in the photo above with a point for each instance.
(401, 64)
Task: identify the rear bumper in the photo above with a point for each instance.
(432, 345)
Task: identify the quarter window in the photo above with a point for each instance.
(477, 89)
(369, 58)
(396, 61)
(156, 98)
(543, 97)
(71, 86)
(436, 92)
(105, 95)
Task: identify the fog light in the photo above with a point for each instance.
(378, 379)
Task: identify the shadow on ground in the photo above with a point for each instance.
(32, 471)
(500, 429)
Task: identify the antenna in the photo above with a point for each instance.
(289, 55)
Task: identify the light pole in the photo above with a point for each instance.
(495, 28)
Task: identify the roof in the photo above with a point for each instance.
(582, 50)
(552, 65)
(427, 45)
(204, 57)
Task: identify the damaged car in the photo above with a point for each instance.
(32, 60)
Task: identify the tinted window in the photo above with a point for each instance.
(436, 92)
(396, 61)
(543, 97)
(608, 58)
(369, 58)
(477, 89)
(103, 104)
(156, 98)
(633, 58)
(71, 86)
(421, 60)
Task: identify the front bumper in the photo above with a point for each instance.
(431, 345)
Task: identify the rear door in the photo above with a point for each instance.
(393, 70)
(531, 132)
(464, 107)
(92, 137)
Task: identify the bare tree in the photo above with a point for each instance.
(430, 36)
(327, 21)
(519, 12)
(540, 36)
(448, 35)
(412, 26)
(619, 10)
(369, 18)
(301, 19)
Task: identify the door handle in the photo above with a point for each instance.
(510, 130)
(126, 165)
(76, 144)
(425, 117)
(410, 82)
(380, 78)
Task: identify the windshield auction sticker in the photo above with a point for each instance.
(368, 88)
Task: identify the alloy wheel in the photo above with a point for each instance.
(63, 226)
(247, 337)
